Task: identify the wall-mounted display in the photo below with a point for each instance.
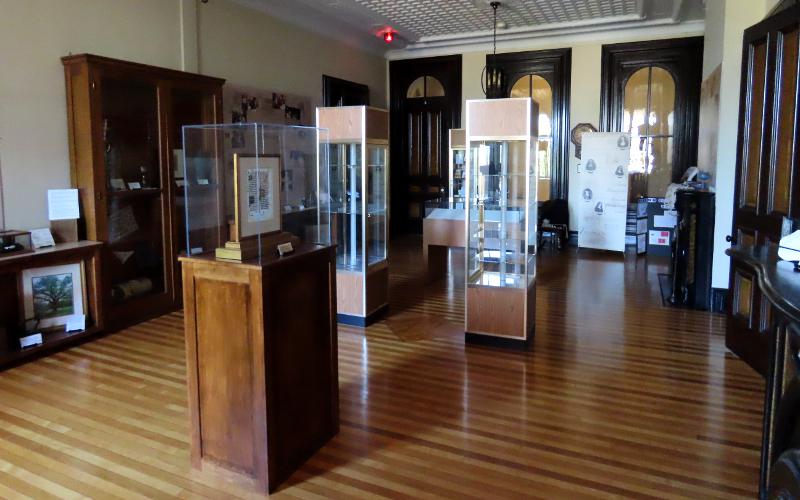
(244, 198)
(501, 221)
(358, 154)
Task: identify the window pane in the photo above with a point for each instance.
(662, 102)
(781, 174)
(659, 166)
(635, 103)
(435, 87)
(417, 88)
(543, 95)
(522, 87)
(543, 159)
(756, 112)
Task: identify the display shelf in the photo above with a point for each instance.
(500, 221)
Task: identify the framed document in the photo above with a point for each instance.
(256, 194)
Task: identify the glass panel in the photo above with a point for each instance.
(434, 87)
(522, 87)
(635, 103)
(457, 178)
(756, 115)
(662, 102)
(766, 315)
(745, 239)
(659, 166)
(376, 203)
(543, 95)
(543, 163)
(743, 300)
(414, 142)
(786, 102)
(135, 219)
(434, 143)
(345, 179)
(497, 245)
(417, 88)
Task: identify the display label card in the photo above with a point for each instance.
(134, 185)
(62, 204)
(41, 238)
(285, 248)
(202, 182)
(666, 220)
(30, 340)
(118, 184)
(180, 183)
(658, 238)
(76, 323)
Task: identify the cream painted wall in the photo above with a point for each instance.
(738, 15)
(585, 91)
(34, 34)
(250, 48)
(244, 46)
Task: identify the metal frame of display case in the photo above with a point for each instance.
(362, 294)
(501, 315)
(458, 142)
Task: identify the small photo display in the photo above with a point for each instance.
(53, 295)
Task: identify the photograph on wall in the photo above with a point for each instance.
(52, 295)
(251, 105)
(257, 194)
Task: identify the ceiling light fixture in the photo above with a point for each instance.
(388, 36)
(493, 78)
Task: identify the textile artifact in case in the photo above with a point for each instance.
(252, 187)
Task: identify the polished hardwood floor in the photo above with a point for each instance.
(620, 397)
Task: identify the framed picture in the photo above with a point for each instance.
(53, 294)
(257, 194)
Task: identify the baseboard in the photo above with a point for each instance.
(349, 319)
(719, 300)
(504, 343)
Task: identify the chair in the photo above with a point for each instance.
(553, 222)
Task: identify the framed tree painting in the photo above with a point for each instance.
(52, 295)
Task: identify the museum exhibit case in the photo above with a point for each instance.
(501, 222)
(456, 191)
(358, 155)
(259, 297)
(125, 150)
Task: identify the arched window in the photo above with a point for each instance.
(425, 86)
(649, 115)
(539, 89)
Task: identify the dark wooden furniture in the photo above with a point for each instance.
(767, 180)
(693, 249)
(12, 316)
(779, 285)
(261, 353)
(125, 124)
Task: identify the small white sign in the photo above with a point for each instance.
(658, 238)
(76, 323)
(41, 238)
(180, 183)
(202, 182)
(134, 185)
(62, 204)
(666, 220)
(30, 340)
(118, 185)
(285, 248)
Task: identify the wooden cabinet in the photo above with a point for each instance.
(261, 347)
(125, 140)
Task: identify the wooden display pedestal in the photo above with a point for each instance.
(501, 317)
(261, 354)
(438, 236)
(362, 299)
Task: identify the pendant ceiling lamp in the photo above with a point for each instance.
(493, 78)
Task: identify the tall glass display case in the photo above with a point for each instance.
(456, 192)
(501, 221)
(253, 188)
(358, 153)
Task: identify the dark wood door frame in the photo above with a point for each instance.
(683, 58)
(555, 66)
(352, 93)
(446, 69)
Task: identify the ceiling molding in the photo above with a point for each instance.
(662, 28)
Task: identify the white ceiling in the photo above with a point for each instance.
(432, 24)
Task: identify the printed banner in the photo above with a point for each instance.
(604, 191)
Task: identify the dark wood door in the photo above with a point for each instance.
(425, 104)
(338, 92)
(766, 170)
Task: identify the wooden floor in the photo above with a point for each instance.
(620, 397)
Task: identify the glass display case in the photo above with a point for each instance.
(254, 191)
(358, 155)
(456, 192)
(501, 221)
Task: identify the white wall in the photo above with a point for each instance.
(738, 15)
(244, 46)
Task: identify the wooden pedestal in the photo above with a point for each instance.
(438, 235)
(362, 298)
(501, 316)
(261, 353)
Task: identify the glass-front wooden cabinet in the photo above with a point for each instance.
(125, 124)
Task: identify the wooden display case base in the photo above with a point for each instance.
(349, 319)
(501, 342)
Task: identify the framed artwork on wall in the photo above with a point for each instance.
(53, 295)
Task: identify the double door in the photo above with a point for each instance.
(126, 153)
(766, 171)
